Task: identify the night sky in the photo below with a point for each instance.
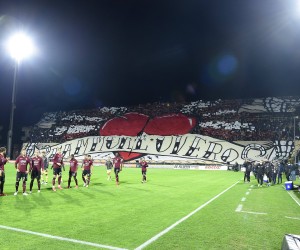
(123, 52)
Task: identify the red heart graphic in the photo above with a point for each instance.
(173, 124)
(129, 124)
(127, 156)
(132, 124)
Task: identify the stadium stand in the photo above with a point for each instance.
(257, 119)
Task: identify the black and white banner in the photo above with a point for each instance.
(187, 148)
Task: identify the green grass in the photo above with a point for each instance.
(129, 215)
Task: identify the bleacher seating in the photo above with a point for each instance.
(262, 119)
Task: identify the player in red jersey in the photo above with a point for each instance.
(3, 161)
(73, 171)
(37, 166)
(118, 164)
(21, 164)
(144, 166)
(58, 163)
(87, 167)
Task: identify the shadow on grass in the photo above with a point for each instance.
(69, 198)
(86, 193)
(159, 185)
(24, 204)
(98, 184)
(140, 189)
(132, 183)
(39, 198)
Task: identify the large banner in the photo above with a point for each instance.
(187, 148)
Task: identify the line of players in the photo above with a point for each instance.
(37, 167)
(268, 172)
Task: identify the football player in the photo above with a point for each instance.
(45, 171)
(3, 161)
(109, 166)
(144, 166)
(87, 170)
(118, 164)
(21, 165)
(73, 171)
(58, 163)
(37, 166)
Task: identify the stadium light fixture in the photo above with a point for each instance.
(19, 46)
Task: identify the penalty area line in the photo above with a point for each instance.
(157, 236)
(61, 238)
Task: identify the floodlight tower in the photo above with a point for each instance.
(19, 47)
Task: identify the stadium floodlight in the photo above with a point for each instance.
(19, 46)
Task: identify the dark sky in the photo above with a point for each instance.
(121, 52)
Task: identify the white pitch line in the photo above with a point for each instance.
(249, 212)
(157, 236)
(61, 238)
(243, 199)
(293, 218)
(239, 208)
(247, 193)
(294, 198)
(251, 186)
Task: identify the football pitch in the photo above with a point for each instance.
(175, 209)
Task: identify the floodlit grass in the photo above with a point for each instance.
(130, 214)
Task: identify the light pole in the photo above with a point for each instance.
(295, 117)
(19, 46)
(12, 111)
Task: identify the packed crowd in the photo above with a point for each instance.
(231, 120)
